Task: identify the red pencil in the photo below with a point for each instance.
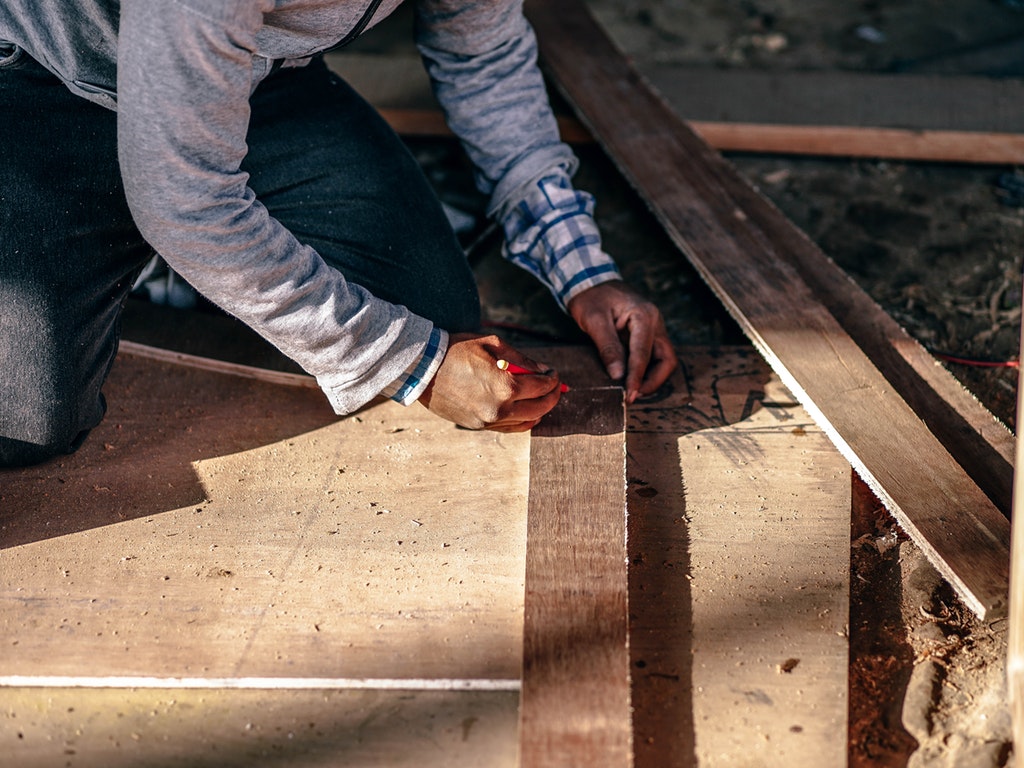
(518, 370)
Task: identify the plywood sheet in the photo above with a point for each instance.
(116, 728)
(739, 573)
(225, 533)
(218, 528)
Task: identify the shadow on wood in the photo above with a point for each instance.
(139, 461)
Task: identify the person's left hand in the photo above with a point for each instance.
(629, 333)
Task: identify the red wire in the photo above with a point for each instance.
(977, 363)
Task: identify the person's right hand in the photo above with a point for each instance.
(472, 391)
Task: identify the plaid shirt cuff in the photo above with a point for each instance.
(407, 388)
(551, 233)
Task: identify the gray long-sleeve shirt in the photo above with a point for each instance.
(180, 73)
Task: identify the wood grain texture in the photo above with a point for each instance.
(730, 234)
(739, 530)
(116, 728)
(216, 527)
(770, 590)
(963, 104)
(88, 542)
(575, 707)
(1015, 639)
(135, 349)
(851, 141)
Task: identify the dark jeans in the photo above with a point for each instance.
(69, 250)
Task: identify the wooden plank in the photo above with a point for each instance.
(431, 123)
(960, 104)
(770, 590)
(729, 232)
(796, 113)
(575, 707)
(118, 728)
(739, 530)
(875, 143)
(1015, 638)
(220, 529)
(135, 349)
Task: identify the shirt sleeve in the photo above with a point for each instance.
(482, 62)
(408, 387)
(185, 73)
(551, 233)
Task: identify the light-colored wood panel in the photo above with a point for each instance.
(43, 728)
(732, 236)
(739, 563)
(575, 691)
(770, 587)
(215, 541)
(1015, 639)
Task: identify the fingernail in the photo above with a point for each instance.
(616, 370)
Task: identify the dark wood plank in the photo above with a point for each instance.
(575, 707)
(732, 236)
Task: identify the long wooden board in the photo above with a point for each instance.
(1015, 638)
(731, 235)
(575, 707)
(796, 113)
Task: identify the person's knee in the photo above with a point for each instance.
(47, 433)
(21, 453)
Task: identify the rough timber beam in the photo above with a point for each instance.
(761, 267)
(575, 707)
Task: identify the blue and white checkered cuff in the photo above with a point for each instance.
(551, 233)
(407, 388)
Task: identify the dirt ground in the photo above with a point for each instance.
(934, 244)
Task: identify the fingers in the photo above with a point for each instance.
(663, 362)
(641, 339)
(526, 406)
(605, 336)
(471, 390)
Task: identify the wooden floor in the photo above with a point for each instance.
(227, 573)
